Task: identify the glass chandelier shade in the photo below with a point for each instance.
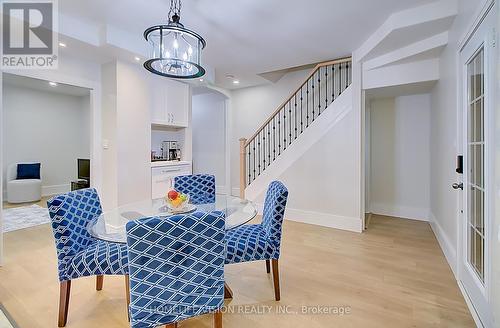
(175, 51)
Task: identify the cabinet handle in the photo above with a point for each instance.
(163, 180)
(172, 170)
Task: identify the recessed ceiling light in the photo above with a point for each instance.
(236, 82)
(229, 76)
(53, 84)
(137, 58)
(201, 80)
(62, 44)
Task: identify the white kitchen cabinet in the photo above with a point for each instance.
(169, 103)
(162, 177)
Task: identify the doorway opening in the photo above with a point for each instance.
(397, 152)
(46, 133)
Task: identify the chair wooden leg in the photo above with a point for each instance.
(228, 293)
(268, 266)
(127, 291)
(98, 282)
(64, 293)
(171, 325)
(276, 279)
(218, 319)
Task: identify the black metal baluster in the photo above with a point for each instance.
(290, 122)
(284, 128)
(258, 152)
(249, 166)
(319, 91)
(340, 79)
(295, 106)
(312, 95)
(326, 87)
(333, 82)
(269, 144)
(254, 158)
(274, 138)
(307, 104)
(279, 133)
(301, 112)
(264, 146)
(348, 72)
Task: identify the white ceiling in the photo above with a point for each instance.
(249, 37)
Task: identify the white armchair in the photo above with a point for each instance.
(22, 191)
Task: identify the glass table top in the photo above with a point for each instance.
(110, 225)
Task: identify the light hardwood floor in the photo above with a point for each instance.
(393, 275)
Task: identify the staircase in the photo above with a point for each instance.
(297, 114)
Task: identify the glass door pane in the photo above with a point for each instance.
(475, 156)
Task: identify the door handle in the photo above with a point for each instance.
(458, 186)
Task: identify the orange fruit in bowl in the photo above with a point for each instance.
(176, 202)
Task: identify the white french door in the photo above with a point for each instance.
(476, 62)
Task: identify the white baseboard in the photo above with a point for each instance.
(468, 301)
(220, 190)
(55, 190)
(450, 253)
(447, 247)
(404, 212)
(321, 219)
(49, 190)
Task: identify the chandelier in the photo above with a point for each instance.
(175, 51)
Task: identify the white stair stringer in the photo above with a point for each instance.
(331, 116)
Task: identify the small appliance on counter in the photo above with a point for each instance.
(169, 151)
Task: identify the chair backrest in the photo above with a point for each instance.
(274, 211)
(71, 213)
(176, 267)
(12, 170)
(199, 187)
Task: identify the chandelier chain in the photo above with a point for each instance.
(175, 9)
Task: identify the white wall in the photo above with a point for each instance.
(444, 147)
(127, 133)
(251, 107)
(400, 156)
(51, 128)
(209, 138)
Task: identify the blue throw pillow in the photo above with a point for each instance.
(28, 171)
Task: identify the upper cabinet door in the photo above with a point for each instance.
(169, 102)
(177, 103)
(158, 100)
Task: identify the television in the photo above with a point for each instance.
(83, 169)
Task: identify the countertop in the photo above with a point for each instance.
(169, 163)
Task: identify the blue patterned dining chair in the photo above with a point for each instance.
(254, 242)
(176, 268)
(78, 253)
(199, 187)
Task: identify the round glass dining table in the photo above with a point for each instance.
(110, 225)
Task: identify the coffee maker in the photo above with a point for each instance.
(171, 151)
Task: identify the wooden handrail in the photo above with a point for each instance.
(315, 69)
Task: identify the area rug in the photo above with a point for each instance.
(5, 319)
(24, 217)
